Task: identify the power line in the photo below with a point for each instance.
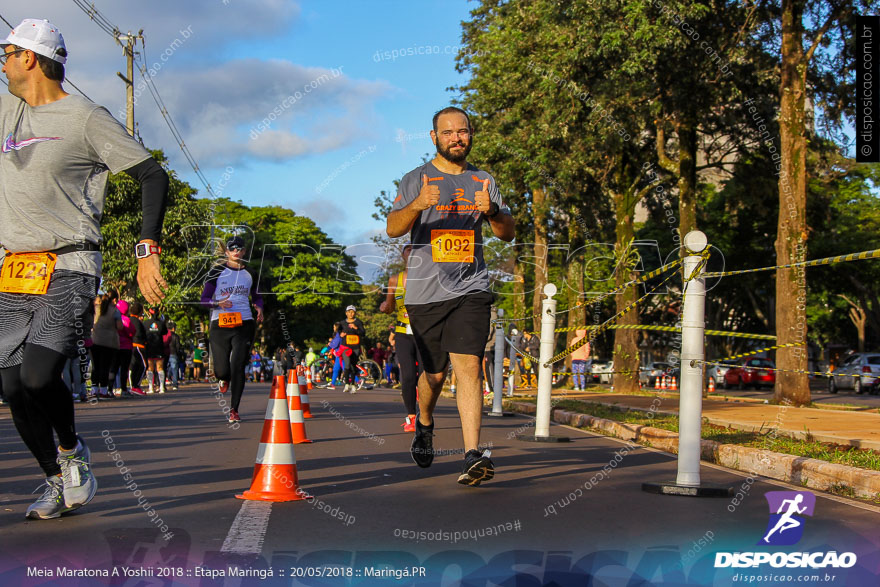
(95, 15)
(67, 79)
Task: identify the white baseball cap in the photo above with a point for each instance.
(40, 36)
(351, 308)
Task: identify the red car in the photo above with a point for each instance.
(751, 372)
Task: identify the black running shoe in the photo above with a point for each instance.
(477, 468)
(422, 449)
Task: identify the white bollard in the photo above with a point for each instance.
(545, 371)
(690, 419)
(690, 410)
(498, 377)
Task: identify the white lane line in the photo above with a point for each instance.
(248, 529)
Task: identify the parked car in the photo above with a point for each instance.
(859, 372)
(602, 371)
(717, 371)
(648, 374)
(751, 372)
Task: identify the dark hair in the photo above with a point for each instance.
(450, 110)
(52, 69)
(136, 308)
(104, 304)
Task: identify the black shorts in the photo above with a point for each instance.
(459, 325)
(59, 320)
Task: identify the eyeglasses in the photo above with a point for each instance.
(233, 248)
(5, 56)
(462, 133)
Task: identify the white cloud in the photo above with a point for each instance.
(215, 101)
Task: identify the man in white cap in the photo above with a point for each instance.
(56, 155)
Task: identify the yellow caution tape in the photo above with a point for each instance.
(602, 296)
(666, 329)
(756, 351)
(815, 262)
(606, 324)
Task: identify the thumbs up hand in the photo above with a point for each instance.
(481, 198)
(429, 195)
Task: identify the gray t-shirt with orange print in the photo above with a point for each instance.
(447, 256)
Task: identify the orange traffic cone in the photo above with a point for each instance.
(657, 383)
(304, 393)
(275, 476)
(309, 386)
(663, 383)
(294, 403)
(711, 385)
(673, 386)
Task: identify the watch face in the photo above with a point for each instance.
(140, 250)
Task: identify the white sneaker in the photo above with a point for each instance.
(79, 485)
(346, 388)
(51, 503)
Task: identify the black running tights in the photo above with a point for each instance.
(407, 357)
(41, 402)
(230, 350)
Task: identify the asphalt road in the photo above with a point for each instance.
(554, 514)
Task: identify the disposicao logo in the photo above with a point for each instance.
(785, 528)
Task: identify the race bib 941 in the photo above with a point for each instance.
(27, 273)
(452, 246)
(230, 319)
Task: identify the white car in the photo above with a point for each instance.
(865, 365)
(717, 371)
(602, 371)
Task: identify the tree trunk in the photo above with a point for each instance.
(626, 349)
(519, 291)
(539, 209)
(791, 236)
(687, 179)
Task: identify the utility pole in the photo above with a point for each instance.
(128, 51)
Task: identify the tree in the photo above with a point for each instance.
(799, 45)
(305, 278)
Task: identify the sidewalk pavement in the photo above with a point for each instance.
(858, 429)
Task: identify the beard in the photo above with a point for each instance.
(454, 156)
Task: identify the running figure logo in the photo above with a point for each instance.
(786, 527)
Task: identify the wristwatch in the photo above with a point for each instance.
(144, 250)
(494, 209)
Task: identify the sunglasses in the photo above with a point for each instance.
(233, 248)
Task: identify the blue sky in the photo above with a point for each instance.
(226, 66)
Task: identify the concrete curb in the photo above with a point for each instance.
(811, 473)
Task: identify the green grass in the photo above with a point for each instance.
(765, 440)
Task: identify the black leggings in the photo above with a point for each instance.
(138, 366)
(102, 360)
(407, 357)
(41, 402)
(121, 363)
(349, 367)
(230, 350)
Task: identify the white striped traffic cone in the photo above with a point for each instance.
(297, 423)
(304, 393)
(275, 477)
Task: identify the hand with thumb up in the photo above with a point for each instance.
(429, 195)
(481, 198)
